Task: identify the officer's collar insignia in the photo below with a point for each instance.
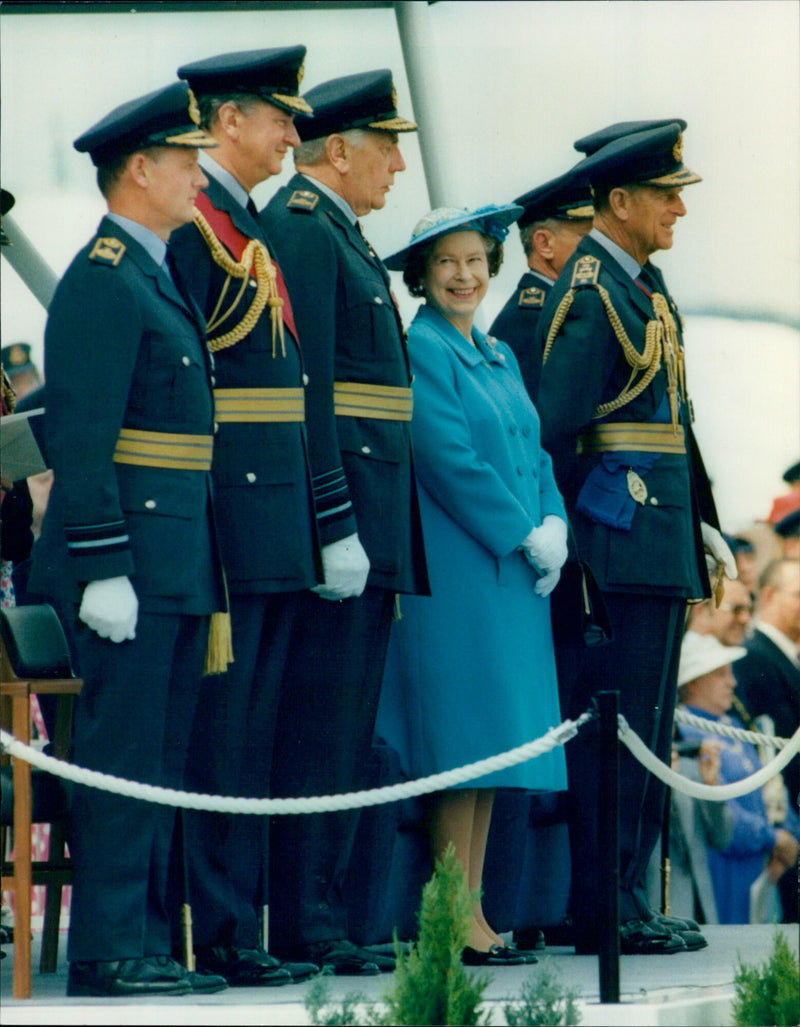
(303, 199)
(586, 271)
(194, 110)
(107, 251)
(677, 149)
(532, 297)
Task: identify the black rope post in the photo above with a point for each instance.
(608, 828)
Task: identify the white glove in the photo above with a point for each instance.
(545, 585)
(718, 552)
(110, 608)
(346, 567)
(545, 547)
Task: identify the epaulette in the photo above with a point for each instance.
(303, 199)
(585, 272)
(532, 297)
(107, 251)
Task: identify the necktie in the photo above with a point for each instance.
(251, 208)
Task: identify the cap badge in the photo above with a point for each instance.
(194, 110)
(677, 149)
(17, 356)
(300, 72)
(394, 98)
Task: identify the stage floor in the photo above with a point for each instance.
(691, 989)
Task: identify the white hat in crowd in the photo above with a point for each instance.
(700, 654)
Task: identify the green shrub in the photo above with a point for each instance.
(769, 995)
(543, 1001)
(430, 985)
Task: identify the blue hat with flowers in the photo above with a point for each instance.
(492, 220)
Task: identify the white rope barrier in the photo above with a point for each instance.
(740, 734)
(718, 793)
(313, 804)
(436, 782)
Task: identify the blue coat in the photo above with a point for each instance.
(471, 670)
(736, 867)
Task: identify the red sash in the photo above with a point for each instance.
(228, 234)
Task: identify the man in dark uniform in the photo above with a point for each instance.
(359, 409)
(130, 525)
(555, 218)
(262, 491)
(616, 420)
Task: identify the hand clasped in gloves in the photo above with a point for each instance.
(346, 567)
(110, 608)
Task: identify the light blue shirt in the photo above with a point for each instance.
(225, 178)
(155, 246)
(622, 257)
(342, 204)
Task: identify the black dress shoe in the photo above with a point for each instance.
(343, 958)
(529, 938)
(637, 938)
(301, 971)
(498, 955)
(242, 968)
(147, 975)
(528, 955)
(685, 928)
(203, 982)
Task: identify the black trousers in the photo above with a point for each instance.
(642, 664)
(132, 720)
(230, 753)
(325, 725)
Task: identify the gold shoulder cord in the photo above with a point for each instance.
(661, 341)
(255, 255)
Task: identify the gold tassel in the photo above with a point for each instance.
(220, 645)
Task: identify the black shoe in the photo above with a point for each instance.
(684, 927)
(343, 958)
(528, 955)
(637, 938)
(148, 975)
(498, 955)
(674, 923)
(301, 971)
(242, 968)
(529, 938)
(203, 982)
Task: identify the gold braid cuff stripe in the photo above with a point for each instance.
(164, 449)
(381, 402)
(613, 436)
(239, 405)
(254, 255)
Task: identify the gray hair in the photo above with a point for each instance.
(313, 151)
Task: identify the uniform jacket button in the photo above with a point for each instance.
(185, 361)
(526, 430)
(150, 504)
(366, 449)
(654, 500)
(250, 477)
(512, 429)
(378, 299)
(305, 379)
(252, 283)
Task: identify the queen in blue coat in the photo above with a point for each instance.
(471, 670)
